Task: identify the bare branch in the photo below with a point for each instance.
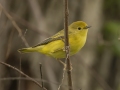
(29, 25)
(9, 44)
(8, 65)
(41, 74)
(62, 79)
(69, 73)
(15, 25)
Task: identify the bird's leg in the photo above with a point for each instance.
(63, 64)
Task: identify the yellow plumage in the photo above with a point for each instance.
(54, 46)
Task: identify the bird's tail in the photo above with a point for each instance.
(27, 50)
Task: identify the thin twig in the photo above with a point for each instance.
(41, 74)
(2, 29)
(15, 25)
(69, 73)
(24, 78)
(19, 82)
(33, 80)
(9, 44)
(29, 25)
(62, 80)
(37, 79)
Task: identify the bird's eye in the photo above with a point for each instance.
(79, 28)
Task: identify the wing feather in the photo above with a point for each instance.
(57, 36)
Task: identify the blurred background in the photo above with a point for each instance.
(95, 67)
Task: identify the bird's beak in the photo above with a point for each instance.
(87, 27)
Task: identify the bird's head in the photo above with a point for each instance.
(79, 25)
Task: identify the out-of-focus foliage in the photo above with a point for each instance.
(111, 33)
(111, 9)
(111, 30)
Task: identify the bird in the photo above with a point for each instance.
(54, 46)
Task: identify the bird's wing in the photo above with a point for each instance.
(48, 40)
(58, 36)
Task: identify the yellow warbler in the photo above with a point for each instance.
(54, 45)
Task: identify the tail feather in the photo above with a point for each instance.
(26, 50)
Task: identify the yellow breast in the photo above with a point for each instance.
(76, 42)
